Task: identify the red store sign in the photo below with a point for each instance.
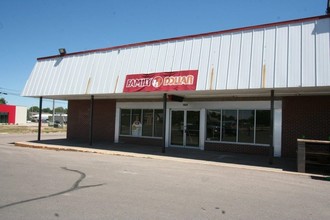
(164, 81)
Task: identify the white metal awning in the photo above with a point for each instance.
(290, 57)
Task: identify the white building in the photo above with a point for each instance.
(251, 90)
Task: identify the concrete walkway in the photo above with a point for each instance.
(242, 161)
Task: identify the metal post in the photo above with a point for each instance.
(39, 122)
(271, 146)
(164, 120)
(301, 156)
(91, 121)
(53, 112)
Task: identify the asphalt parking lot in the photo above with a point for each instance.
(44, 184)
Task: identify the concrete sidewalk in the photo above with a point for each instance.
(243, 161)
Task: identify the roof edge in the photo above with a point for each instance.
(190, 36)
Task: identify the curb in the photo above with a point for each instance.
(147, 156)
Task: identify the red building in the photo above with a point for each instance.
(11, 114)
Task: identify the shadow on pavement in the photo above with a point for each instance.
(285, 164)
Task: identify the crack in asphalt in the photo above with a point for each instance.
(74, 187)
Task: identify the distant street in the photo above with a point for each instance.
(45, 184)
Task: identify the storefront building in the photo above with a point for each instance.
(248, 90)
(11, 114)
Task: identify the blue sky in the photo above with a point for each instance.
(37, 28)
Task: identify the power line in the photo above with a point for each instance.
(10, 93)
(12, 90)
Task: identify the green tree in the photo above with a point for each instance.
(3, 101)
(60, 110)
(47, 110)
(34, 109)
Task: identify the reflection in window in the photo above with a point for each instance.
(263, 127)
(246, 126)
(158, 122)
(138, 122)
(125, 122)
(213, 125)
(229, 125)
(243, 126)
(147, 122)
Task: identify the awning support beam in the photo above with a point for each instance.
(271, 147)
(91, 121)
(40, 119)
(164, 121)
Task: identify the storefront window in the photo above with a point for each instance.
(246, 126)
(229, 125)
(213, 125)
(158, 122)
(239, 126)
(263, 126)
(125, 122)
(148, 121)
(141, 122)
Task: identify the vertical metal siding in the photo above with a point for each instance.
(269, 57)
(169, 56)
(213, 63)
(322, 34)
(116, 71)
(195, 54)
(203, 63)
(308, 55)
(186, 55)
(281, 57)
(223, 62)
(287, 56)
(109, 76)
(234, 58)
(294, 56)
(161, 56)
(256, 59)
(176, 65)
(245, 61)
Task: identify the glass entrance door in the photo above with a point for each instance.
(185, 128)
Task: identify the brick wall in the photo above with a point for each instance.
(307, 116)
(79, 120)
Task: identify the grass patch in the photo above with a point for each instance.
(22, 129)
